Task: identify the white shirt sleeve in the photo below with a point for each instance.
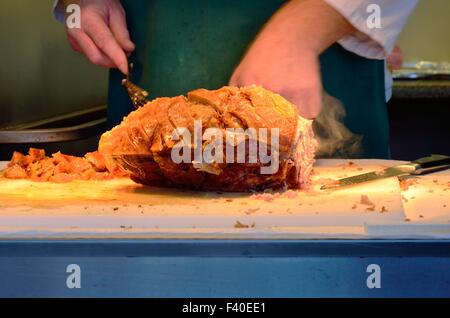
(58, 11)
(370, 42)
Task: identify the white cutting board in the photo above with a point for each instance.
(427, 199)
(426, 203)
(119, 208)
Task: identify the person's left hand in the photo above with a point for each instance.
(284, 67)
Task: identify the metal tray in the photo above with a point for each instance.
(68, 127)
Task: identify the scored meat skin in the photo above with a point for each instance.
(143, 142)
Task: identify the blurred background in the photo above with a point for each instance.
(425, 37)
(40, 75)
(42, 78)
(420, 109)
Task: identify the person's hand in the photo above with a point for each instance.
(284, 56)
(284, 67)
(103, 37)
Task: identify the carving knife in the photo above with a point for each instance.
(420, 166)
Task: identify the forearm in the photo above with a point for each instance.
(313, 24)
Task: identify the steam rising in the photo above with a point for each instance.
(335, 140)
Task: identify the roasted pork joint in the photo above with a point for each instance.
(230, 139)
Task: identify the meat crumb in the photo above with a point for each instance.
(239, 225)
(383, 209)
(406, 183)
(270, 196)
(370, 209)
(354, 206)
(264, 196)
(347, 164)
(290, 194)
(250, 211)
(407, 220)
(365, 200)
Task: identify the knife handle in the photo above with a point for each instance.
(432, 161)
(421, 171)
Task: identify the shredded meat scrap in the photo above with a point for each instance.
(37, 166)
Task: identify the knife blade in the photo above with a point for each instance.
(138, 95)
(420, 166)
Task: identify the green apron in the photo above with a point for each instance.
(186, 44)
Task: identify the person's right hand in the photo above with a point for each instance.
(103, 37)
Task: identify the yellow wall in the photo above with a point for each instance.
(427, 33)
(40, 75)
